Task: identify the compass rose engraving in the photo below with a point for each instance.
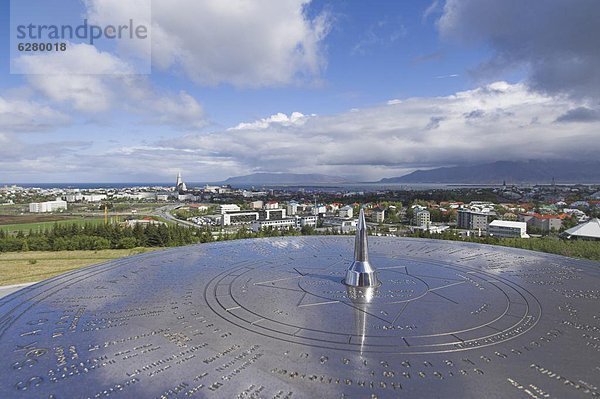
(414, 306)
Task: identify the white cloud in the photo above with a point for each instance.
(281, 119)
(453, 75)
(179, 110)
(110, 84)
(28, 116)
(433, 8)
(242, 42)
(552, 40)
(499, 121)
(77, 59)
(118, 12)
(60, 76)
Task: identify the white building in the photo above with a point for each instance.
(423, 218)
(250, 194)
(507, 229)
(235, 218)
(585, 231)
(272, 205)
(93, 197)
(228, 208)
(74, 197)
(278, 224)
(48, 206)
(292, 208)
(341, 225)
(378, 215)
(211, 189)
(308, 221)
(430, 229)
(335, 206)
(319, 209)
(200, 207)
(270, 214)
(256, 204)
(346, 212)
(187, 197)
(285, 223)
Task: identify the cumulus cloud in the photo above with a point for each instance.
(499, 121)
(117, 12)
(78, 59)
(28, 116)
(108, 84)
(77, 76)
(241, 42)
(179, 110)
(281, 119)
(554, 40)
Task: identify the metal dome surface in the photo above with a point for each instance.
(273, 318)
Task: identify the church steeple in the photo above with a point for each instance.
(180, 185)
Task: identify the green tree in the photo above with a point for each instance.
(307, 230)
(127, 243)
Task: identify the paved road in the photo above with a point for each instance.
(165, 212)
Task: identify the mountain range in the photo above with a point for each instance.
(533, 171)
(511, 172)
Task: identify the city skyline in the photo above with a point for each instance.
(307, 87)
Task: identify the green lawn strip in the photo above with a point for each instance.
(25, 227)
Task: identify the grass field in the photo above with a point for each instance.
(32, 218)
(25, 227)
(25, 267)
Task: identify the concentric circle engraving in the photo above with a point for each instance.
(463, 308)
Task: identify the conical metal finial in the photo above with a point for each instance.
(361, 273)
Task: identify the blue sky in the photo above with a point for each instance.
(348, 88)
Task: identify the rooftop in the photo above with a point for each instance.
(589, 229)
(507, 223)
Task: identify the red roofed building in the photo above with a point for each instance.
(545, 223)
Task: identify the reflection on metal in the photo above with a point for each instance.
(272, 318)
(361, 273)
(361, 297)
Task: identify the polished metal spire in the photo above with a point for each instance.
(361, 273)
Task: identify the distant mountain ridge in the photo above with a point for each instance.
(533, 171)
(285, 178)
